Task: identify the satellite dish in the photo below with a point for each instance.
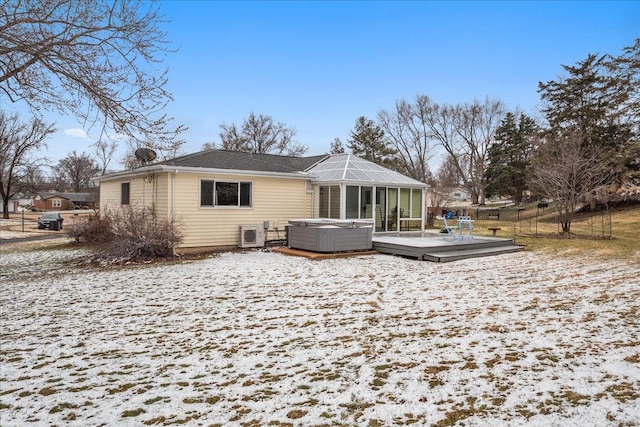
(145, 155)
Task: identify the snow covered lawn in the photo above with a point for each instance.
(263, 339)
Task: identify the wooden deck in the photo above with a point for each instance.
(321, 255)
(440, 247)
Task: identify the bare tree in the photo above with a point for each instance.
(408, 131)
(77, 170)
(208, 146)
(33, 179)
(443, 122)
(566, 171)
(96, 59)
(259, 134)
(477, 125)
(447, 176)
(466, 132)
(104, 152)
(19, 145)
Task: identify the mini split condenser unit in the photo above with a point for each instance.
(251, 236)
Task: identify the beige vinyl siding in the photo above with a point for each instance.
(141, 193)
(273, 199)
(161, 194)
(110, 195)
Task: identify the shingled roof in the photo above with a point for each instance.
(72, 197)
(236, 160)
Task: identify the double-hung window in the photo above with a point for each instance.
(225, 193)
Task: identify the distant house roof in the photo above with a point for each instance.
(72, 197)
(237, 160)
(347, 168)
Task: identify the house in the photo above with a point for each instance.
(16, 203)
(63, 201)
(459, 194)
(211, 194)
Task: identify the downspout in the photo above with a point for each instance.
(173, 205)
(423, 213)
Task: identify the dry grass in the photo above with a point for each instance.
(621, 238)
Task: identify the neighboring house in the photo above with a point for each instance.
(459, 194)
(16, 202)
(211, 194)
(55, 201)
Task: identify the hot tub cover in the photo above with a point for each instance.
(326, 222)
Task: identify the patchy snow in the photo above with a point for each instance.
(18, 229)
(265, 339)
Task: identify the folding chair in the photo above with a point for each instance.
(450, 230)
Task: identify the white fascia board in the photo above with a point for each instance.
(371, 184)
(195, 170)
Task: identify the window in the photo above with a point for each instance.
(221, 193)
(329, 206)
(56, 203)
(353, 201)
(124, 193)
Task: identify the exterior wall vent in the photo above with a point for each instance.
(251, 236)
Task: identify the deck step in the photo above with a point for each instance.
(456, 255)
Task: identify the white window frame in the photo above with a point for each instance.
(214, 205)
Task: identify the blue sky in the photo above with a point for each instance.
(317, 66)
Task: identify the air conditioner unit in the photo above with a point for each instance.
(251, 236)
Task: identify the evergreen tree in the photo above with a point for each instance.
(337, 147)
(509, 157)
(592, 115)
(367, 140)
(593, 101)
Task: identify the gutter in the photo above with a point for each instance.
(145, 170)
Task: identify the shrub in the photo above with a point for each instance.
(138, 234)
(93, 230)
(128, 234)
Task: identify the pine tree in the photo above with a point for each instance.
(509, 157)
(367, 140)
(337, 147)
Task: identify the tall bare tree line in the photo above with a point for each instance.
(464, 131)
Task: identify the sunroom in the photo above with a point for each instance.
(348, 187)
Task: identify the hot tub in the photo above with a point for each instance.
(330, 235)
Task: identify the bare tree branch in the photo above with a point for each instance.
(407, 130)
(98, 60)
(18, 143)
(566, 171)
(259, 134)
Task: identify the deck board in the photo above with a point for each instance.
(439, 247)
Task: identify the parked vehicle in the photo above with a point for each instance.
(543, 204)
(50, 220)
